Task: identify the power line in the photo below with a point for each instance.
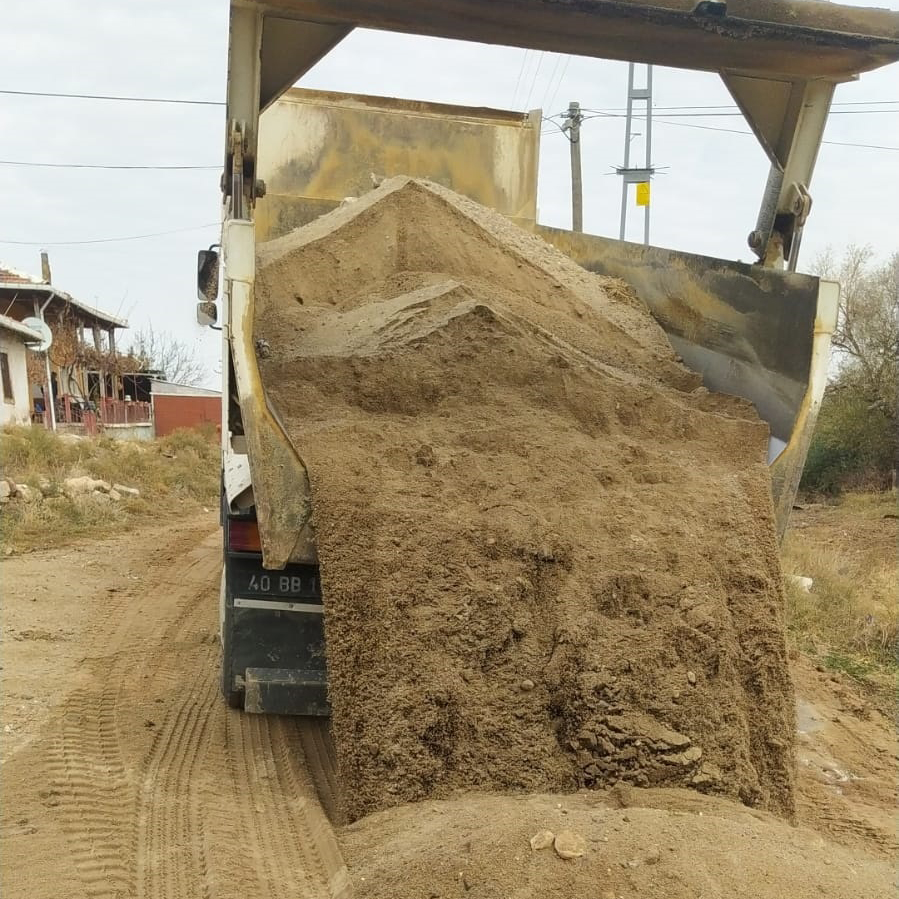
(686, 115)
(524, 60)
(171, 100)
(836, 143)
(712, 115)
(72, 243)
(536, 75)
(187, 102)
(866, 103)
(85, 165)
(559, 82)
(671, 112)
(552, 77)
(557, 126)
(610, 110)
(841, 143)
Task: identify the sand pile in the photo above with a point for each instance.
(548, 555)
(651, 844)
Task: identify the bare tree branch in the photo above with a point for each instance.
(866, 340)
(172, 359)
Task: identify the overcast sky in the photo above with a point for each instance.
(706, 201)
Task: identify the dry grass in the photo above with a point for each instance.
(850, 617)
(176, 473)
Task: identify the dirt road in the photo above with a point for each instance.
(124, 775)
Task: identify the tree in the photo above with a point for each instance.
(866, 341)
(856, 444)
(174, 360)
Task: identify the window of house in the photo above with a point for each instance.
(7, 380)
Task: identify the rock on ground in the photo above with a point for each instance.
(27, 494)
(85, 484)
(7, 489)
(543, 839)
(569, 844)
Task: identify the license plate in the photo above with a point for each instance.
(295, 582)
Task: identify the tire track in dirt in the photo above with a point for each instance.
(171, 861)
(318, 749)
(179, 792)
(98, 789)
(312, 837)
(205, 804)
(91, 793)
(837, 821)
(287, 847)
(136, 612)
(170, 851)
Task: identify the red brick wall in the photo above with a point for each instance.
(185, 412)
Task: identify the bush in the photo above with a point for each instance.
(854, 446)
(181, 468)
(27, 450)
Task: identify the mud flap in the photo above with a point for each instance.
(286, 691)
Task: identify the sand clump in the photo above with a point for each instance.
(548, 555)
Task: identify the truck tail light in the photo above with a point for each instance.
(243, 535)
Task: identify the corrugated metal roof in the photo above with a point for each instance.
(170, 388)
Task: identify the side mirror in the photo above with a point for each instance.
(207, 314)
(207, 275)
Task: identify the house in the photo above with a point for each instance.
(15, 392)
(87, 375)
(183, 406)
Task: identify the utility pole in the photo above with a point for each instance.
(572, 125)
(640, 176)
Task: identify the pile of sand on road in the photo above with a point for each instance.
(548, 556)
(651, 844)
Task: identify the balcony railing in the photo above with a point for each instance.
(79, 414)
(124, 412)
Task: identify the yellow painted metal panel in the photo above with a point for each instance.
(316, 148)
(750, 331)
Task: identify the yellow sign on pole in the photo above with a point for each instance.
(643, 193)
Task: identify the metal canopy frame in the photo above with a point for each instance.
(780, 61)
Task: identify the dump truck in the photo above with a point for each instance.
(761, 331)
